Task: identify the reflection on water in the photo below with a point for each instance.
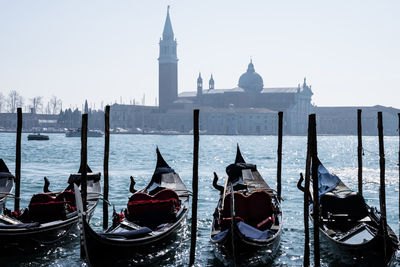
(135, 155)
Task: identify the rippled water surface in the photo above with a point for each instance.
(135, 155)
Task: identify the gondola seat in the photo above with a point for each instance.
(350, 207)
(153, 210)
(45, 208)
(255, 210)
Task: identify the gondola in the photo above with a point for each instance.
(49, 216)
(251, 221)
(6, 184)
(353, 230)
(152, 218)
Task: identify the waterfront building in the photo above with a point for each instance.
(251, 96)
(31, 121)
(343, 120)
(248, 108)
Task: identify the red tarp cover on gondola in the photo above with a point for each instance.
(45, 208)
(253, 209)
(161, 207)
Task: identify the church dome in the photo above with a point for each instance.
(251, 81)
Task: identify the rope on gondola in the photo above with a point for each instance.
(6, 194)
(102, 198)
(189, 193)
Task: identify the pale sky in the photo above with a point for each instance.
(107, 50)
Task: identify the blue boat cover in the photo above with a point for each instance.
(128, 234)
(326, 181)
(251, 232)
(218, 237)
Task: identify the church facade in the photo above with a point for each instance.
(248, 108)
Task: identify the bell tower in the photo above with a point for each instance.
(199, 89)
(211, 83)
(167, 67)
(199, 85)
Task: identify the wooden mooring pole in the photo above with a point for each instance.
(84, 171)
(84, 160)
(306, 261)
(398, 130)
(382, 191)
(279, 164)
(359, 151)
(18, 160)
(314, 159)
(194, 185)
(105, 165)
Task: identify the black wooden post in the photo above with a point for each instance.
(194, 185)
(105, 165)
(359, 151)
(84, 160)
(84, 170)
(314, 158)
(18, 160)
(306, 261)
(382, 191)
(279, 167)
(398, 129)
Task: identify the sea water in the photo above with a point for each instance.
(134, 155)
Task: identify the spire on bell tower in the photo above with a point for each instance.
(168, 66)
(168, 33)
(86, 107)
(168, 43)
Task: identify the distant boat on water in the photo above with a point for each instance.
(77, 133)
(37, 136)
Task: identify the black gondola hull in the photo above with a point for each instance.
(250, 245)
(32, 235)
(6, 184)
(352, 232)
(247, 247)
(243, 244)
(32, 238)
(370, 253)
(102, 251)
(138, 239)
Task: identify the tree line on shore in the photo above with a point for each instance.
(10, 102)
(68, 118)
